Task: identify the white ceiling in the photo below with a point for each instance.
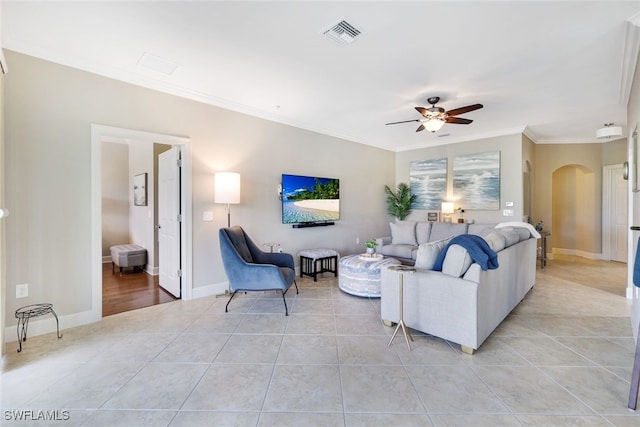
(556, 70)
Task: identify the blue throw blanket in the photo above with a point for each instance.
(478, 249)
(636, 266)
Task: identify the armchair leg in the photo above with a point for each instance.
(286, 310)
(226, 307)
(294, 282)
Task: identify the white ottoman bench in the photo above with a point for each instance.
(128, 256)
(360, 275)
(316, 261)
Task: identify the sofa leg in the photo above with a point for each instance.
(467, 350)
(387, 322)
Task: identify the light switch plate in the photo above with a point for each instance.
(207, 216)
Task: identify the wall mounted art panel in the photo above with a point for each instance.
(476, 181)
(428, 181)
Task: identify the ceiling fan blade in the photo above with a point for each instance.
(458, 120)
(463, 110)
(406, 121)
(422, 111)
(420, 128)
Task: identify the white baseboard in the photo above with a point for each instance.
(210, 290)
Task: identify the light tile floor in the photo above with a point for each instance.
(563, 357)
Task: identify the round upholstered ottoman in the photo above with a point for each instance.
(360, 275)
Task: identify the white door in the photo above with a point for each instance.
(619, 216)
(169, 221)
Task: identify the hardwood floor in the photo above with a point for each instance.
(130, 290)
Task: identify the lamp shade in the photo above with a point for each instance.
(447, 207)
(609, 131)
(227, 187)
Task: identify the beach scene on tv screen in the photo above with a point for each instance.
(310, 199)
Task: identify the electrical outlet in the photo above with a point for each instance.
(357, 240)
(22, 291)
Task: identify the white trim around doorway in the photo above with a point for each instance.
(101, 133)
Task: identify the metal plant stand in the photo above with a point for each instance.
(23, 315)
(401, 269)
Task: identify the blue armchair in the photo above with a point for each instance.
(250, 269)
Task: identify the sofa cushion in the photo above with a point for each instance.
(523, 233)
(480, 229)
(403, 233)
(510, 237)
(398, 251)
(444, 230)
(457, 261)
(496, 240)
(423, 230)
(428, 253)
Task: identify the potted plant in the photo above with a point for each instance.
(371, 246)
(399, 202)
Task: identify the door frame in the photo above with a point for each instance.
(607, 207)
(101, 133)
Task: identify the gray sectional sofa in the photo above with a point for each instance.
(407, 235)
(462, 303)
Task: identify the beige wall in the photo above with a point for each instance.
(588, 230)
(510, 148)
(529, 173)
(50, 109)
(115, 195)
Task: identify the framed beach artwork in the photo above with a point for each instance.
(140, 190)
(428, 182)
(476, 181)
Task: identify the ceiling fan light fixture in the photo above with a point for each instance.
(433, 125)
(609, 131)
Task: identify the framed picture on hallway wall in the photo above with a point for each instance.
(140, 190)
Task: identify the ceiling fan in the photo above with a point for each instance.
(435, 117)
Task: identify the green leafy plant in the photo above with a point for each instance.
(399, 202)
(371, 244)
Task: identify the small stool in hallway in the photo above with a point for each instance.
(23, 315)
(316, 261)
(128, 256)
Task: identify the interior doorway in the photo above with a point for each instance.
(104, 133)
(615, 223)
(131, 214)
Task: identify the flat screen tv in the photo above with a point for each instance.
(310, 200)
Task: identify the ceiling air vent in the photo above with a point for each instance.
(342, 32)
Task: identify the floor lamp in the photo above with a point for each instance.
(227, 190)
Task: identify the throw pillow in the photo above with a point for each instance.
(457, 261)
(403, 233)
(496, 240)
(428, 253)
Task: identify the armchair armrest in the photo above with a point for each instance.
(253, 276)
(275, 258)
